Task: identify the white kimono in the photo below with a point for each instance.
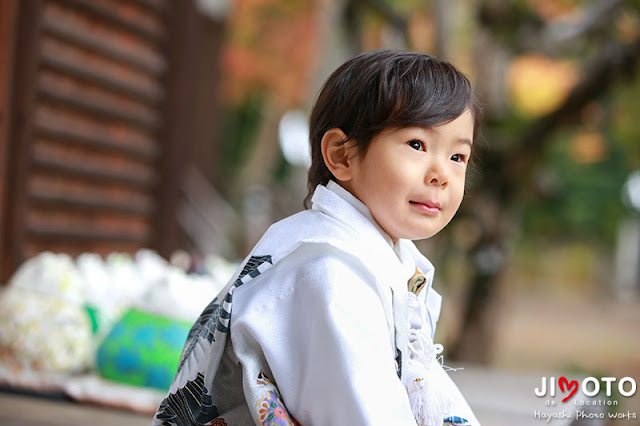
(313, 329)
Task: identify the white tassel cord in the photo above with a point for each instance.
(427, 397)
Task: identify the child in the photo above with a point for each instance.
(333, 311)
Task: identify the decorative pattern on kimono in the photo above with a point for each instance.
(183, 406)
(271, 410)
(455, 420)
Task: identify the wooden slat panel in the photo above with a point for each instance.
(158, 6)
(47, 187)
(69, 224)
(124, 14)
(178, 122)
(69, 92)
(40, 199)
(27, 59)
(102, 122)
(83, 163)
(8, 13)
(94, 34)
(99, 98)
(91, 67)
(59, 123)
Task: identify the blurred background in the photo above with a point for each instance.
(181, 127)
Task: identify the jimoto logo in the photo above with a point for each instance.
(590, 386)
(583, 405)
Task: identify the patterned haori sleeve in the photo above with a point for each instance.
(192, 399)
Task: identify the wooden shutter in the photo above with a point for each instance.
(93, 159)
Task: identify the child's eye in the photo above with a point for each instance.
(416, 144)
(458, 158)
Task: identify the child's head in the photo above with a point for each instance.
(377, 92)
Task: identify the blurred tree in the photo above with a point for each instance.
(270, 53)
(587, 34)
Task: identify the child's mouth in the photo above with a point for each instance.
(426, 206)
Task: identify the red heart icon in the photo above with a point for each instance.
(569, 384)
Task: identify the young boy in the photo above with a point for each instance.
(333, 311)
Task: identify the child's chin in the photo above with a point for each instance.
(417, 236)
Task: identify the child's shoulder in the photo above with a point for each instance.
(322, 239)
(308, 227)
(311, 225)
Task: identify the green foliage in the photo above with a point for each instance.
(282, 171)
(583, 200)
(241, 125)
(625, 118)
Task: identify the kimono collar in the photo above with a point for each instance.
(340, 204)
(359, 206)
(337, 203)
(408, 255)
(367, 240)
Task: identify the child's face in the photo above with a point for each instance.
(412, 179)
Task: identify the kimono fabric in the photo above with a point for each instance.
(325, 323)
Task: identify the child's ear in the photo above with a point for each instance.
(337, 154)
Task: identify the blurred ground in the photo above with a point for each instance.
(574, 336)
(595, 335)
(24, 410)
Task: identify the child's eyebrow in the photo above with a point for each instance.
(465, 141)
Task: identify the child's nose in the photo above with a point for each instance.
(437, 173)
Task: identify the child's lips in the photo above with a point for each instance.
(431, 207)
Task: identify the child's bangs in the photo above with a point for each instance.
(425, 92)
